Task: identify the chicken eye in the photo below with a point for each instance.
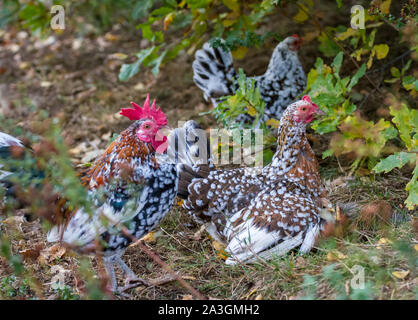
(146, 126)
(303, 109)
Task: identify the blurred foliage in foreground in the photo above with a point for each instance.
(45, 174)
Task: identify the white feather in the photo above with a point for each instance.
(82, 229)
(249, 240)
(310, 237)
(7, 140)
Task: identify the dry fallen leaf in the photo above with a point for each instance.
(24, 65)
(106, 136)
(198, 234)
(309, 36)
(187, 297)
(32, 253)
(151, 237)
(382, 242)
(14, 222)
(46, 84)
(91, 155)
(300, 262)
(401, 274)
(139, 86)
(118, 56)
(111, 37)
(220, 250)
(251, 293)
(50, 254)
(376, 212)
(335, 256)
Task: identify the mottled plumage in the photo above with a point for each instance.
(279, 86)
(130, 185)
(255, 209)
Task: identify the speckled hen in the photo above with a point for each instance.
(269, 210)
(279, 86)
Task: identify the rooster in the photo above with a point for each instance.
(279, 86)
(132, 186)
(269, 210)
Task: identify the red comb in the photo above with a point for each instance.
(138, 113)
(307, 99)
(295, 36)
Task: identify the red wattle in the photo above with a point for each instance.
(161, 145)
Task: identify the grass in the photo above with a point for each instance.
(286, 277)
(387, 254)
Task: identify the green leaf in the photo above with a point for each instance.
(409, 82)
(127, 71)
(162, 12)
(327, 153)
(357, 77)
(145, 53)
(146, 31)
(395, 72)
(312, 75)
(390, 133)
(406, 67)
(172, 3)
(336, 64)
(327, 46)
(141, 9)
(157, 62)
(397, 160)
(402, 117)
(412, 188)
(302, 15)
(381, 50)
(233, 5)
(326, 125)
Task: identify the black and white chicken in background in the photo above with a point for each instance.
(282, 83)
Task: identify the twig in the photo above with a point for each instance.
(177, 240)
(388, 22)
(158, 260)
(339, 165)
(152, 255)
(390, 62)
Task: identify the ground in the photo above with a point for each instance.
(75, 79)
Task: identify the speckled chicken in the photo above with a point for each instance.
(269, 210)
(132, 184)
(279, 86)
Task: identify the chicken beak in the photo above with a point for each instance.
(319, 112)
